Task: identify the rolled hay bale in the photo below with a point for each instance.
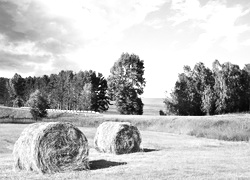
(51, 147)
(117, 138)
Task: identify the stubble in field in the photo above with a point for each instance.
(165, 156)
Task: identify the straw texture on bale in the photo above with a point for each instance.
(117, 138)
(51, 147)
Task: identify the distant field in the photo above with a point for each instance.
(165, 156)
(152, 106)
(231, 127)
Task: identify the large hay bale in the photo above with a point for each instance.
(117, 137)
(51, 147)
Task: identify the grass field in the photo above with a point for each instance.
(169, 150)
(231, 127)
(165, 156)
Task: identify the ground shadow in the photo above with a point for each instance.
(101, 164)
(149, 150)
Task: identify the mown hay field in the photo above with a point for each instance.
(165, 156)
(221, 151)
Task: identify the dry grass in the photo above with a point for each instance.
(231, 127)
(51, 147)
(117, 138)
(13, 114)
(165, 156)
(22, 115)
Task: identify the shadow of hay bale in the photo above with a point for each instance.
(149, 150)
(101, 164)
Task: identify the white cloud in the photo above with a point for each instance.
(246, 42)
(81, 31)
(155, 23)
(186, 10)
(215, 19)
(101, 25)
(93, 19)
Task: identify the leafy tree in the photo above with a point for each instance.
(2, 90)
(227, 86)
(38, 105)
(208, 101)
(202, 91)
(203, 83)
(219, 87)
(4, 95)
(18, 102)
(245, 93)
(61, 88)
(68, 96)
(127, 101)
(188, 97)
(85, 98)
(180, 101)
(64, 90)
(16, 89)
(126, 83)
(171, 104)
(79, 82)
(29, 87)
(52, 91)
(99, 100)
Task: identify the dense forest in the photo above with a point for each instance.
(201, 91)
(85, 90)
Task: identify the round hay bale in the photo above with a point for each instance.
(117, 138)
(51, 147)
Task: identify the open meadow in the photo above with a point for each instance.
(124, 90)
(173, 147)
(164, 156)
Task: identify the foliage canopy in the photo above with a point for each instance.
(200, 91)
(126, 83)
(65, 90)
(38, 105)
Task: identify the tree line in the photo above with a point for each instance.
(85, 90)
(202, 91)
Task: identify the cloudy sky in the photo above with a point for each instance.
(40, 37)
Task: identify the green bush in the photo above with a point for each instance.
(38, 105)
(162, 113)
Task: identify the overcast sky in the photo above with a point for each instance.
(40, 37)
